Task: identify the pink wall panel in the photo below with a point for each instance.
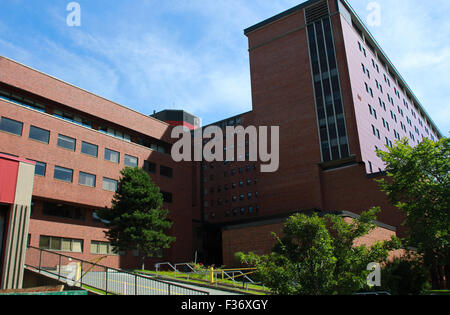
(8, 180)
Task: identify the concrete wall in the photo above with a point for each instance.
(18, 218)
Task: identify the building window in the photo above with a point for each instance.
(102, 248)
(372, 111)
(328, 96)
(89, 149)
(86, 179)
(66, 142)
(40, 168)
(167, 197)
(112, 156)
(63, 174)
(109, 184)
(63, 211)
(11, 126)
(150, 167)
(61, 244)
(166, 171)
(39, 134)
(130, 161)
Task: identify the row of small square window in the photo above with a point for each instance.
(396, 91)
(244, 210)
(220, 202)
(155, 145)
(66, 175)
(84, 179)
(373, 112)
(66, 142)
(376, 133)
(75, 245)
(233, 172)
(42, 135)
(233, 186)
(391, 100)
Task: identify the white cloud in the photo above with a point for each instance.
(193, 54)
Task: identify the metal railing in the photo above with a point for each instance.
(80, 273)
(239, 277)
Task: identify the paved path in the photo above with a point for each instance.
(211, 291)
(129, 284)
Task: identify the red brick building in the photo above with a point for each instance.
(80, 143)
(316, 72)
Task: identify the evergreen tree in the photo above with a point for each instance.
(136, 219)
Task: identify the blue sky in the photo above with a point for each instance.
(157, 54)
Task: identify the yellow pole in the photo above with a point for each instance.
(212, 274)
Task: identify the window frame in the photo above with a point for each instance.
(106, 179)
(89, 145)
(60, 168)
(13, 121)
(130, 156)
(67, 138)
(32, 127)
(111, 151)
(88, 175)
(163, 173)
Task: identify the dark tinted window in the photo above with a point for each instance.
(89, 149)
(168, 197)
(66, 142)
(166, 171)
(40, 168)
(39, 134)
(150, 167)
(63, 211)
(63, 174)
(11, 126)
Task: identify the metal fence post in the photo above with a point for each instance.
(40, 260)
(59, 268)
(81, 275)
(106, 284)
(135, 285)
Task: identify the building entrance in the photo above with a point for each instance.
(3, 212)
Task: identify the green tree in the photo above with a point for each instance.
(317, 255)
(405, 275)
(136, 219)
(418, 184)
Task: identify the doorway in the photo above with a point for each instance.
(3, 212)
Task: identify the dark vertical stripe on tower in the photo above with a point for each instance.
(328, 96)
